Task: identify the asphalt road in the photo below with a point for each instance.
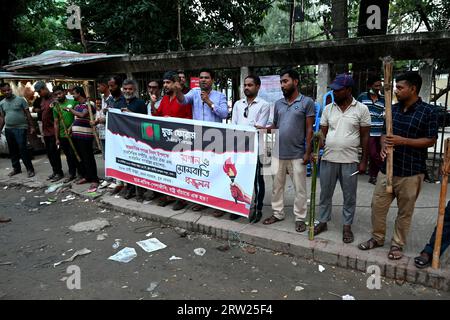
(39, 236)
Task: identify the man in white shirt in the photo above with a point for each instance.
(253, 111)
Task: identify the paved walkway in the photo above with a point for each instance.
(327, 248)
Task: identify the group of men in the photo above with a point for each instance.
(347, 125)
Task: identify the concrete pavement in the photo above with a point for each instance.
(326, 248)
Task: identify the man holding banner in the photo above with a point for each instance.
(207, 105)
(253, 111)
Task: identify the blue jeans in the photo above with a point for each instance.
(429, 248)
(17, 145)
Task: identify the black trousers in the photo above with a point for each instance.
(86, 152)
(17, 147)
(53, 154)
(72, 161)
(260, 188)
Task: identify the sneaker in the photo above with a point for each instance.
(50, 177)
(13, 173)
(57, 177)
(103, 185)
(31, 174)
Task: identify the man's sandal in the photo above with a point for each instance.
(422, 261)
(300, 226)
(395, 253)
(347, 236)
(369, 244)
(271, 220)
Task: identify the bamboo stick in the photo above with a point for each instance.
(91, 117)
(442, 204)
(66, 131)
(314, 164)
(388, 64)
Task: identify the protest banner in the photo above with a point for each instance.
(208, 163)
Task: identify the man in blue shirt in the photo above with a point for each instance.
(207, 104)
(375, 102)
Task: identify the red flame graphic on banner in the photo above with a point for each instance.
(229, 168)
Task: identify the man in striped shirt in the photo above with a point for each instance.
(375, 102)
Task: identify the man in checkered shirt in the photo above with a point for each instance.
(415, 129)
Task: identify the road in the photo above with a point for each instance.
(39, 236)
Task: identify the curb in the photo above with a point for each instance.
(318, 250)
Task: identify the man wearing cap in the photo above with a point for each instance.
(48, 130)
(15, 115)
(170, 107)
(345, 125)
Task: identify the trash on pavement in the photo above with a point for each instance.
(68, 198)
(54, 187)
(151, 245)
(181, 232)
(125, 255)
(5, 187)
(321, 268)
(250, 250)
(81, 252)
(348, 297)
(22, 199)
(200, 251)
(102, 236)
(152, 286)
(116, 244)
(299, 288)
(52, 200)
(29, 191)
(45, 203)
(133, 219)
(175, 258)
(89, 226)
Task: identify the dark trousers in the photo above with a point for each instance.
(260, 188)
(72, 161)
(17, 145)
(86, 152)
(53, 154)
(429, 248)
(375, 161)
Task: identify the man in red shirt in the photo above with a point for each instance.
(170, 107)
(48, 130)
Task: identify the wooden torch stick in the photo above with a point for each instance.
(91, 116)
(442, 205)
(388, 64)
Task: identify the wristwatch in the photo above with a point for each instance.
(213, 106)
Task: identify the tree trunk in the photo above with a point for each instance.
(339, 20)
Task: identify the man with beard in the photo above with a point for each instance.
(207, 105)
(170, 107)
(375, 102)
(154, 91)
(345, 126)
(15, 115)
(48, 130)
(135, 105)
(61, 105)
(253, 111)
(117, 101)
(415, 129)
(294, 118)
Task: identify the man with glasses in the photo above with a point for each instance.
(253, 111)
(154, 90)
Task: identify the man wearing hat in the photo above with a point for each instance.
(48, 130)
(345, 125)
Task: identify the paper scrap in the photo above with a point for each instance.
(81, 252)
(151, 245)
(125, 255)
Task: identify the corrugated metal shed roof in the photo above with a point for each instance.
(58, 58)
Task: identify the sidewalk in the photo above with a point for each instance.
(326, 248)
